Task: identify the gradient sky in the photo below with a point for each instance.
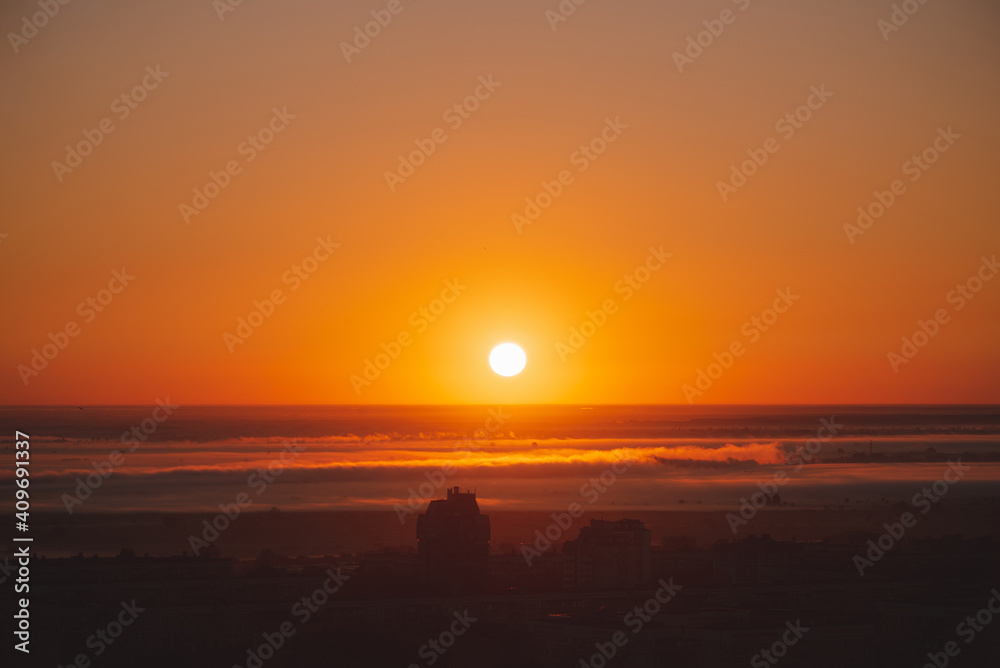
(656, 185)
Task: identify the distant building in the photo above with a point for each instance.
(608, 555)
(453, 540)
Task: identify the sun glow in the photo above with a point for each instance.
(508, 359)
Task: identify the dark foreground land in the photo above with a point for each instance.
(792, 588)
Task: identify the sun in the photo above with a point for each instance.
(508, 359)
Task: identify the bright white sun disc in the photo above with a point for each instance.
(508, 359)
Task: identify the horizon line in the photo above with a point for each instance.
(567, 405)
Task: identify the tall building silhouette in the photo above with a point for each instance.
(608, 555)
(453, 540)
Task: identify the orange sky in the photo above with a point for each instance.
(342, 125)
